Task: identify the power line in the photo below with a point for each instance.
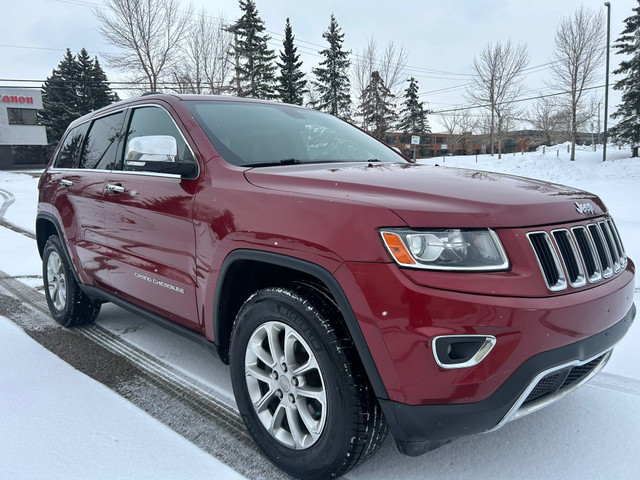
(517, 100)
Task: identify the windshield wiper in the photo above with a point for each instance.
(284, 161)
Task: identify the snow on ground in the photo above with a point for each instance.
(57, 423)
(24, 189)
(590, 434)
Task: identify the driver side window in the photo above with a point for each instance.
(155, 122)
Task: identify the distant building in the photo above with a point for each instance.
(21, 138)
(438, 144)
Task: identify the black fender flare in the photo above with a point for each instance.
(329, 281)
(59, 231)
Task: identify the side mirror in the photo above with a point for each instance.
(158, 154)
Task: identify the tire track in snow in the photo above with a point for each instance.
(7, 198)
(180, 402)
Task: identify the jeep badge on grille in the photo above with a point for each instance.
(585, 208)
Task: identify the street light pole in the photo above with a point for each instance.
(606, 87)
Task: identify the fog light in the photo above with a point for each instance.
(461, 351)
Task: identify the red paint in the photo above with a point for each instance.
(179, 232)
(16, 99)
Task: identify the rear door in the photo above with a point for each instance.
(79, 173)
(149, 227)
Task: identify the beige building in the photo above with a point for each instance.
(21, 138)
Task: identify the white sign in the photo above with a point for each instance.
(415, 139)
(444, 146)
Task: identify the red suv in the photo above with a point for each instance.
(352, 292)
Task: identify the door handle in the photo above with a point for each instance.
(66, 183)
(115, 188)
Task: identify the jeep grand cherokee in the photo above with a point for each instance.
(351, 291)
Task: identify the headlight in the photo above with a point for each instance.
(450, 249)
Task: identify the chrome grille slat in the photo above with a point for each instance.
(588, 253)
(572, 256)
(548, 261)
(608, 238)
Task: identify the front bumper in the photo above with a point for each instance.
(538, 382)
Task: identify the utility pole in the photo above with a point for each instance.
(606, 88)
(598, 139)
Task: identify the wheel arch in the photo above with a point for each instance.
(245, 271)
(46, 226)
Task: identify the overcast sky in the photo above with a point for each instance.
(441, 38)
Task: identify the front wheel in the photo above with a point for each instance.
(68, 304)
(299, 386)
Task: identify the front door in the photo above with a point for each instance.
(149, 228)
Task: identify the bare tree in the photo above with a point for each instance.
(544, 116)
(460, 125)
(468, 125)
(205, 65)
(390, 65)
(497, 82)
(363, 65)
(451, 123)
(148, 33)
(577, 57)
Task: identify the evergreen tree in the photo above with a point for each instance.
(101, 92)
(77, 87)
(413, 114)
(84, 69)
(376, 107)
(59, 101)
(413, 119)
(332, 75)
(291, 79)
(255, 71)
(628, 129)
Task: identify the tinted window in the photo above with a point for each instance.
(22, 116)
(101, 142)
(153, 121)
(260, 134)
(69, 152)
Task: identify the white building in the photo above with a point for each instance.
(21, 138)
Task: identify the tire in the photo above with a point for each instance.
(68, 304)
(300, 388)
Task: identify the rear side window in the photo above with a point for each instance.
(153, 121)
(69, 153)
(101, 144)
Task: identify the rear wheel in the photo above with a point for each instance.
(299, 385)
(69, 306)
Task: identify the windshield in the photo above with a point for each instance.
(258, 134)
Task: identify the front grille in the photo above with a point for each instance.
(573, 256)
(580, 371)
(559, 380)
(544, 386)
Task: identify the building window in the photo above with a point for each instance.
(440, 140)
(22, 116)
(27, 155)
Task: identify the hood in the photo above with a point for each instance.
(434, 196)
